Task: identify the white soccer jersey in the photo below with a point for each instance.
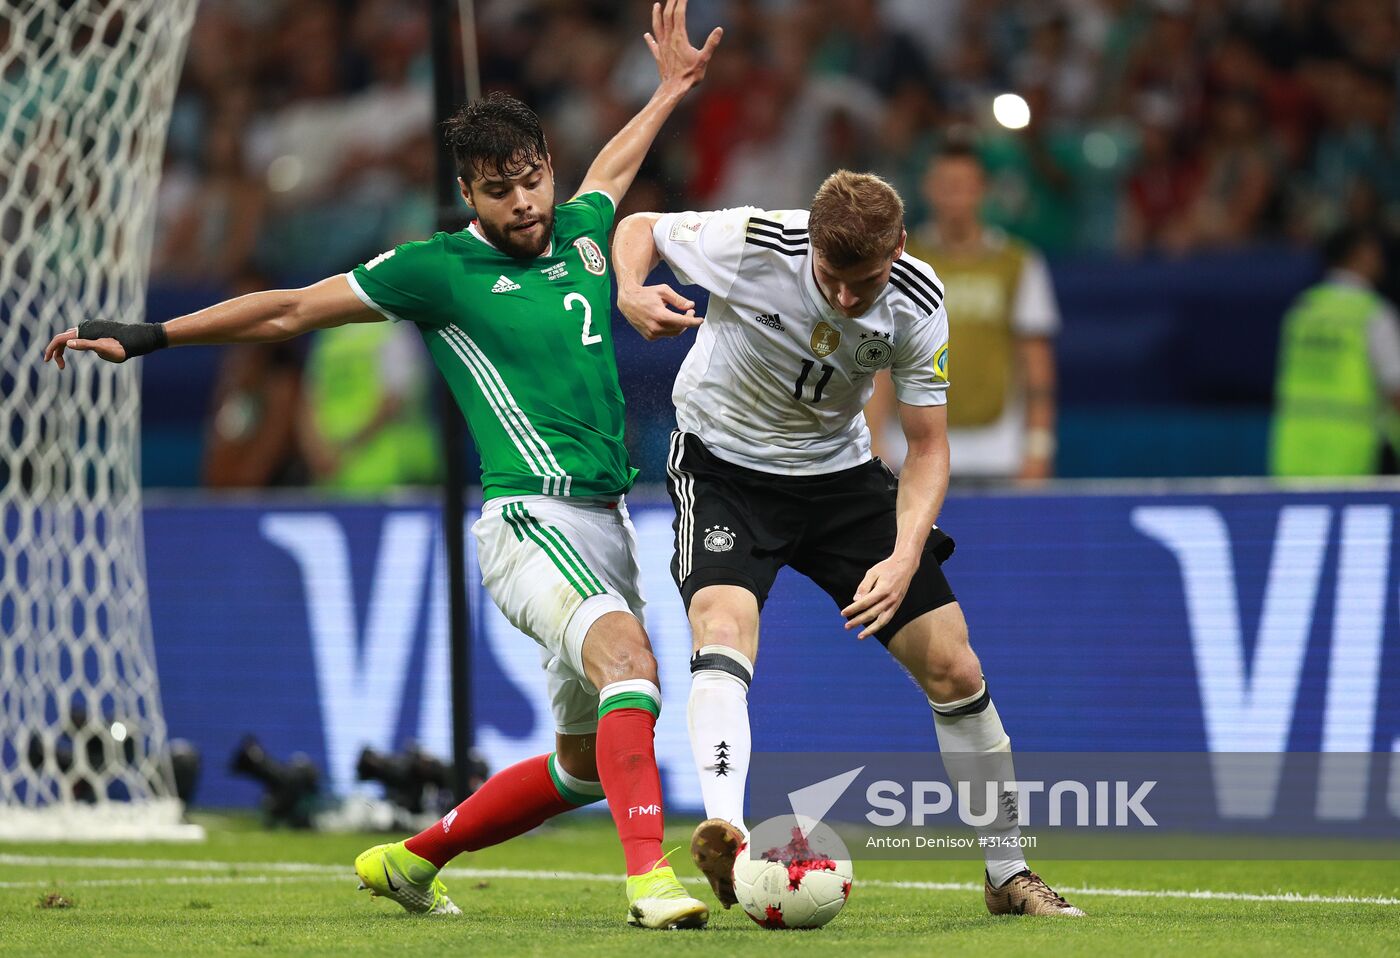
(777, 380)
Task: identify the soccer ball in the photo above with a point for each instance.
(791, 886)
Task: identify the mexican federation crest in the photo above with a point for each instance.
(825, 339)
(592, 256)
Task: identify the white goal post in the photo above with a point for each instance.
(86, 88)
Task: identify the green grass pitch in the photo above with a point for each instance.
(250, 892)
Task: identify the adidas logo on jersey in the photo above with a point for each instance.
(505, 285)
(770, 320)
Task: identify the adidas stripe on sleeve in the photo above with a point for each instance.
(920, 369)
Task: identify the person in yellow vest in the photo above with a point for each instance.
(1002, 318)
(1337, 396)
(366, 424)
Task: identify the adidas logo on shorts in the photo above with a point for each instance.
(505, 285)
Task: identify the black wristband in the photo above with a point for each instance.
(137, 339)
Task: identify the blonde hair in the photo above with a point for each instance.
(856, 217)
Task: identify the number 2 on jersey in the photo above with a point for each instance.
(589, 337)
(807, 367)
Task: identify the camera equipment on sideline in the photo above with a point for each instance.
(415, 781)
(292, 795)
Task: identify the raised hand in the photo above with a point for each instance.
(678, 61)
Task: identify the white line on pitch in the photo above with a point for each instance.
(1204, 894)
(312, 869)
(183, 864)
(64, 884)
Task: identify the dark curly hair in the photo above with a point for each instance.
(495, 135)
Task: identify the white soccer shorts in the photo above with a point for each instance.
(554, 566)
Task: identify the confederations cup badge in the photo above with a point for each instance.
(719, 539)
(825, 339)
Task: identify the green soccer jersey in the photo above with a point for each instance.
(525, 345)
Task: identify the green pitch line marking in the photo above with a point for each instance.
(289, 872)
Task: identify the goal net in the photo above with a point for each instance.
(85, 95)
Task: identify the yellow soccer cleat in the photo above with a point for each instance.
(657, 900)
(393, 872)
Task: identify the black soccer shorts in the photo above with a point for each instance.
(738, 526)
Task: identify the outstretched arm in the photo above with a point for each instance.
(647, 308)
(681, 67)
(255, 318)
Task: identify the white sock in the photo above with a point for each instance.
(967, 729)
(718, 716)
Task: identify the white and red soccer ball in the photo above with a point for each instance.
(793, 886)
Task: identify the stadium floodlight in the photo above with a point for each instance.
(1012, 111)
(86, 88)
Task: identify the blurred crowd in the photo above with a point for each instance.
(302, 133)
(302, 141)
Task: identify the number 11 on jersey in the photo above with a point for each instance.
(589, 337)
(807, 367)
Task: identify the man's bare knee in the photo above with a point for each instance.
(577, 755)
(718, 628)
(958, 679)
(616, 649)
(725, 615)
(934, 649)
(952, 662)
